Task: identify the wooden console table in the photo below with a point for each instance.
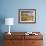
(20, 39)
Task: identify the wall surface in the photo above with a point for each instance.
(9, 8)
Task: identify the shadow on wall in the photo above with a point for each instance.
(2, 21)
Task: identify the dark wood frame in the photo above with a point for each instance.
(20, 10)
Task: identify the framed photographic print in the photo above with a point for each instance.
(27, 15)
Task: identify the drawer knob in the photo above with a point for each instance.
(33, 42)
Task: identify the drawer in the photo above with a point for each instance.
(37, 43)
(16, 37)
(9, 43)
(13, 42)
(33, 43)
(28, 37)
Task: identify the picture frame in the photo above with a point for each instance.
(27, 16)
